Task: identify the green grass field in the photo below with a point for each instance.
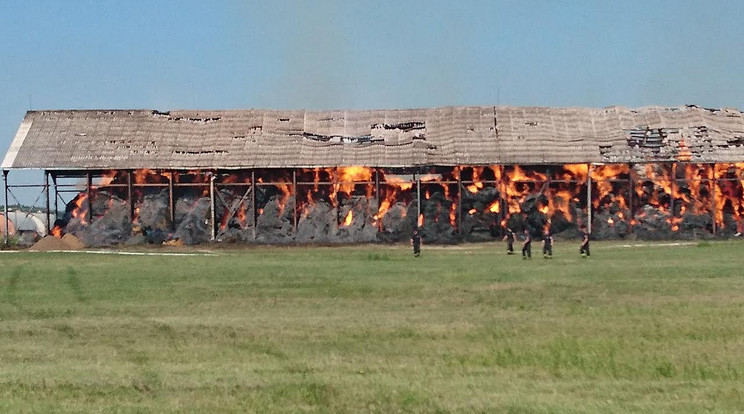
(371, 329)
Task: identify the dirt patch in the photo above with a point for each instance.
(68, 242)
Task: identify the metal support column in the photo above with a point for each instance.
(89, 186)
(547, 195)
(130, 198)
(47, 202)
(418, 197)
(171, 204)
(253, 201)
(672, 185)
(631, 191)
(459, 202)
(589, 199)
(503, 194)
(335, 194)
(377, 199)
(294, 192)
(6, 236)
(56, 196)
(714, 210)
(212, 213)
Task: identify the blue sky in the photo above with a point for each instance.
(365, 54)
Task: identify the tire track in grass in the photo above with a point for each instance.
(74, 282)
(11, 293)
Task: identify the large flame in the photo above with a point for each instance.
(619, 191)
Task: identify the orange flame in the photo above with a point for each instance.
(57, 231)
(477, 183)
(348, 176)
(79, 212)
(348, 219)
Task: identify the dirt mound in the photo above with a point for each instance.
(73, 242)
(68, 242)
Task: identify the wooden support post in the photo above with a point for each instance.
(47, 202)
(212, 212)
(589, 199)
(6, 231)
(253, 202)
(171, 204)
(89, 185)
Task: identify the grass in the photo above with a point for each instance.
(371, 329)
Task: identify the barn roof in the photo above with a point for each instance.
(189, 139)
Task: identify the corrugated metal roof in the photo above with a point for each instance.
(130, 139)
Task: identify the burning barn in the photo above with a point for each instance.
(461, 173)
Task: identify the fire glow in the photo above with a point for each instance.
(462, 198)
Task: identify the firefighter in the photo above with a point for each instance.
(509, 239)
(584, 249)
(416, 242)
(547, 245)
(527, 246)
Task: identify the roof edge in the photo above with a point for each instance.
(15, 146)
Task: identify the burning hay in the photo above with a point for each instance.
(449, 204)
